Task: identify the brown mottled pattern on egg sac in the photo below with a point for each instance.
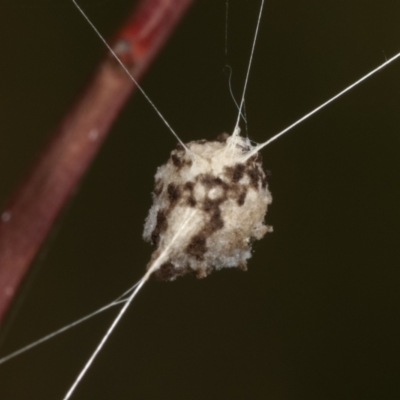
(230, 197)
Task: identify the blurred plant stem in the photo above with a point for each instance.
(33, 208)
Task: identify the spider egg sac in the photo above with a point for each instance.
(209, 203)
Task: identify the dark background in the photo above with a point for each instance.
(317, 314)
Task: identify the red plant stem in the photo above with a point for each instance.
(32, 210)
